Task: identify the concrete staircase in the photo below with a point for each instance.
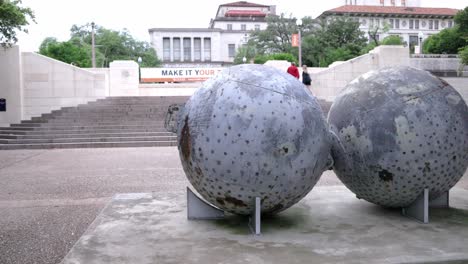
(110, 122)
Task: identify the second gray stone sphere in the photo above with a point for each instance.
(401, 130)
(253, 131)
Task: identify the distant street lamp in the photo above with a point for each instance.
(93, 53)
(139, 60)
(244, 59)
(420, 35)
(299, 26)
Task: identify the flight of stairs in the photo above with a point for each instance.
(110, 122)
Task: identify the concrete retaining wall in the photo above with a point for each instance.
(440, 66)
(49, 84)
(327, 83)
(461, 85)
(10, 85)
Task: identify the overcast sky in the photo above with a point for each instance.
(55, 17)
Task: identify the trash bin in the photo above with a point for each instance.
(2, 105)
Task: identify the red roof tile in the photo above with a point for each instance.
(398, 10)
(244, 4)
(245, 13)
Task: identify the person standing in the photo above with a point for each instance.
(293, 70)
(306, 80)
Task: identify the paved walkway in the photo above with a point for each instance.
(48, 198)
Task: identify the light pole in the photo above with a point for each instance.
(93, 53)
(420, 35)
(299, 25)
(139, 60)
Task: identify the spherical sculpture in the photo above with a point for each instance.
(253, 131)
(401, 130)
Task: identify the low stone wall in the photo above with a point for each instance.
(10, 85)
(327, 83)
(49, 84)
(440, 66)
(460, 84)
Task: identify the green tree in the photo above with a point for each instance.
(261, 59)
(376, 29)
(13, 18)
(447, 41)
(392, 40)
(464, 55)
(461, 21)
(331, 40)
(66, 51)
(277, 36)
(110, 45)
(247, 51)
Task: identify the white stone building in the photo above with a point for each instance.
(216, 45)
(403, 18)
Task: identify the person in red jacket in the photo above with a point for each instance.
(293, 70)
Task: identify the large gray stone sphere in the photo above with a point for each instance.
(401, 130)
(253, 131)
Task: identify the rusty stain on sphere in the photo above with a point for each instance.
(401, 130)
(253, 131)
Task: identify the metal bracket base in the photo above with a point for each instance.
(419, 209)
(197, 209)
(255, 218)
(441, 201)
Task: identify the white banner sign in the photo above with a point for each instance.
(149, 75)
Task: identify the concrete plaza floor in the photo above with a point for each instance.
(49, 198)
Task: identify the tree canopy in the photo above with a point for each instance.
(451, 40)
(13, 18)
(323, 41)
(110, 45)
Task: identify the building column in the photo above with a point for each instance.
(192, 49)
(202, 45)
(171, 48)
(182, 51)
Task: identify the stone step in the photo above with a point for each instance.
(87, 140)
(83, 135)
(90, 121)
(26, 127)
(79, 131)
(90, 145)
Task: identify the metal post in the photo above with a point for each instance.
(93, 53)
(300, 48)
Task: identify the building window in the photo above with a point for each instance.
(257, 27)
(411, 24)
(450, 23)
(207, 48)
(431, 24)
(243, 27)
(416, 24)
(187, 49)
(391, 23)
(231, 50)
(229, 26)
(176, 45)
(371, 23)
(166, 49)
(436, 24)
(197, 49)
(397, 23)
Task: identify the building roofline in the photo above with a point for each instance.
(184, 30)
(399, 11)
(244, 4)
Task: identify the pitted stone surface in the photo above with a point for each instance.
(401, 130)
(253, 131)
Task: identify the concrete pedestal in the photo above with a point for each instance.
(329, 225)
